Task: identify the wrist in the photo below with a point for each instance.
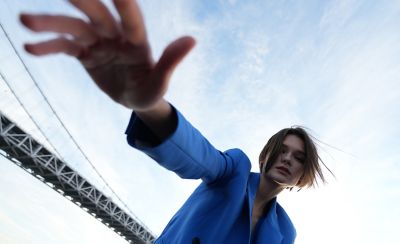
(160, 119)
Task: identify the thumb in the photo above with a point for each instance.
(172, 56)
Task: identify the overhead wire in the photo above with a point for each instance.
(29, 115)
(60, 121)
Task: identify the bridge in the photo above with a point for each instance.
(23, 150)
(37, 160)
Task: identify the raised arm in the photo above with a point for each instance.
(117, 55)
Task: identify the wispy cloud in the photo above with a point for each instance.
(258, 66)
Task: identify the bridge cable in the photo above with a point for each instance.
(63, 125)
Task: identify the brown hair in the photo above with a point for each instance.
(312, 167)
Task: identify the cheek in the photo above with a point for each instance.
(298, 172)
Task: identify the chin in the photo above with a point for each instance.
(283, 180)
(282, 183)
(279, 179)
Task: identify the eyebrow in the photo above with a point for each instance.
(295, 151)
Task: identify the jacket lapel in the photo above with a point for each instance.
(252, 186)
(269, 231)
(270, 227)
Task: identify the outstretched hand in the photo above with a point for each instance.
(116, 53)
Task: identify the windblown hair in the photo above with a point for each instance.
(312, 161)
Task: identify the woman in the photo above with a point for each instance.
(232, 205)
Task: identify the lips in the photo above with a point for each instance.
(284, 169)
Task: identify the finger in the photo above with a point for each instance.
(132, 21)
(59, 45)
(79, 29)
(172, 56)
(100, 17)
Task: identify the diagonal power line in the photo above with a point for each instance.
(59, 120)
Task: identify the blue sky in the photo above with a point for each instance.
(259, 66)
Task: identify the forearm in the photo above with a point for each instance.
(160, 119)
(184, 151)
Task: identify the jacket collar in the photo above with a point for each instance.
(270, 224)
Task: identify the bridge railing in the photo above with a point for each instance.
(30, 155)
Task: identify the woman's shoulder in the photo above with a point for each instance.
(239, 158)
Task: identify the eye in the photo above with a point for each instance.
(300, 159)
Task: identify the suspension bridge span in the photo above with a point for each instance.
(33, 157)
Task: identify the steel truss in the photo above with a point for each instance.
(33, 157)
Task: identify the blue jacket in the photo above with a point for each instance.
(219, 210)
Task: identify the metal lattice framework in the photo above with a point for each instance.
(30, 155)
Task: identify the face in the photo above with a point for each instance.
(289, 166)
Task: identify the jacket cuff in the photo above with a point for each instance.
(140, 135)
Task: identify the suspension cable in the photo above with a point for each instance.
(61, 123)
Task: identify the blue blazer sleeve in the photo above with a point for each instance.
(186, 152)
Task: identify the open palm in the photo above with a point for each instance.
(116, 54)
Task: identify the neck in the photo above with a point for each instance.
(267, 190)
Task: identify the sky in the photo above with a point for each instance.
(258, 66)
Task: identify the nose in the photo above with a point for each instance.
(286, 158)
